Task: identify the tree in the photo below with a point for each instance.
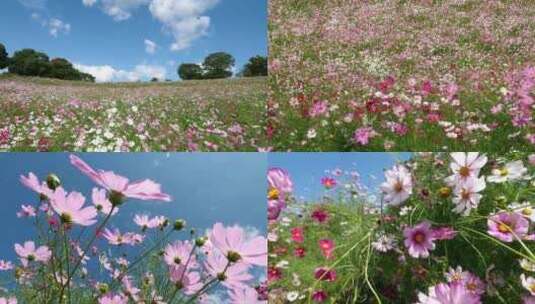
(4, 60)
(29, 62)
(218, 65)
(257, 66)
(188, 71)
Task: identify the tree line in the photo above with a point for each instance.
(29, 62)
(219, 65)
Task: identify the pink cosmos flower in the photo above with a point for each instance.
(328, 182)
(178, 253)
(325, 274)
(190, 280)
(28, 253)
(318, 108)
(144, 222)
(419, 239)
(279, 179)
(452, 293)
(129, 288)
(274, 209)
(5, 265)
(8, 300)
(507, 226)
(33, 183)
(236, 275)
(26, 211)
(471, 282)
(297, 234)
(101, 201)
(531, 159)
(443, 233)
(116, 238)
(70, 208)
(244, 295)
(120, 186)
(326, 247)
(528, 299)
(113, 299)
(233, 243)
(362, 135)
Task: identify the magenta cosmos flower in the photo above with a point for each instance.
(119, 186)
(507, 226)
(70, 208)
(419, 239)
(28, 253)
(328, 182)
(326, 247)
(233, 243)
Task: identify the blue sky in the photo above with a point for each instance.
(121, 40)
(206, 188)
(307, 169)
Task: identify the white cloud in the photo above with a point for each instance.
(150, 46)
(89, 2)
(55, 26)
(106, 73)
(33, 4)
(183, 18)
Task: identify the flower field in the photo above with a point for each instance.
(446, 75)
(449, 228)
(79, 255)
(53, 115)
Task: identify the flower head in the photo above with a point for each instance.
(70, 209)
(419, 240)
(180, 253)
(511, 171)
(189, 282)
(245, 295)
(28, 253)
(466, 165)
(398, 185)
(507, 226)
(233, 243)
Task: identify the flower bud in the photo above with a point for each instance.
(179, 225)
(52, 181)
(116, 198)
(444, 192)
(233, 256)
(199, 242)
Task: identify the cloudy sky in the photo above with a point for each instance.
(129, 40)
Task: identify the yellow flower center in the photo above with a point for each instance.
(398, 187)
(273, 194)
(444, 191)
(504, 172)
(504, 228)
(527, 211)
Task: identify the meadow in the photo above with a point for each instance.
(448, 228)
(426, 75)
(209, 115)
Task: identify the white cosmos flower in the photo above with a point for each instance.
(292, 296)
(511, 171)
(525, 209)
(465, 166)
(398, 185)
(467, 195)
(528, 283)
(527, 265)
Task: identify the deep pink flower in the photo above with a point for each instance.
(70, 209)
(299, 252)
(120, 186)
(508, 226)
(419, 240)
(319, 215)
(325, 274)
(28, 253)
(274, 274)
(274, 209)
(319, 296)
(233, 243)
(297, 234)
(327, 247)
(318, 108)
(328, 182)
(362, 135)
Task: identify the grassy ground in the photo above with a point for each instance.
(420, 75)
(54, 115)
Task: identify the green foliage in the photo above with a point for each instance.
(4, 60)
(189, 71)
(257, 66)
(218, 65)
